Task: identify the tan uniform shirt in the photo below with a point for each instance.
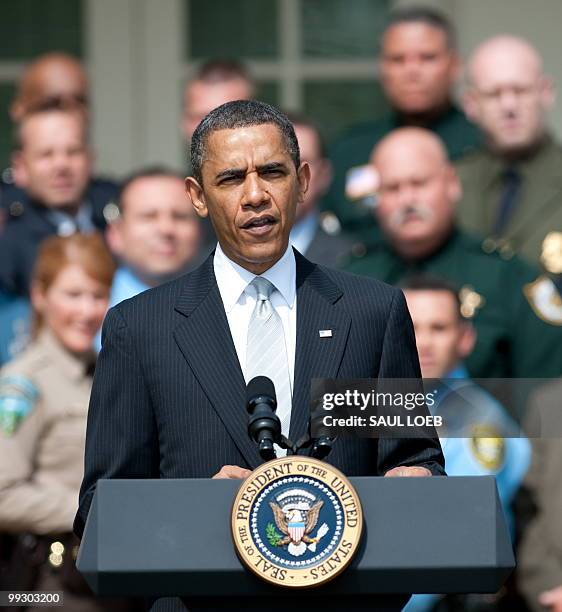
(540, 552)
(44, 396)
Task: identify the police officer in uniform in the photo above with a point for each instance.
(517, 335)
(478, 437)
(44, 396)
(512, 188)
(54, 193)
(53, 78)
(418, 67)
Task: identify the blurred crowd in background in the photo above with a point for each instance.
(456, 200)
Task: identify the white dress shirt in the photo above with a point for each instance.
(233, 280)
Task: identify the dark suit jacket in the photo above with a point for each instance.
(168, 399)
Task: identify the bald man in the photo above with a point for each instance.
(418, 191)
(50, 76)
(513, 187)
(51, 84)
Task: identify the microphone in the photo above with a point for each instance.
(264, 425)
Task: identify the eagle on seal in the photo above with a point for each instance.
(296, 524)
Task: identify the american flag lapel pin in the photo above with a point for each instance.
(325, 333)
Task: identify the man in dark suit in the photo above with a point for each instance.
(168, 399)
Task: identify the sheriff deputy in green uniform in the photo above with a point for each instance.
(44, 397)
(518, 335)
(418, 67)
(512, 188)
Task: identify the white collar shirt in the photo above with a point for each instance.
(232, 281)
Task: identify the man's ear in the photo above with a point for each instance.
(454, 186)
(19, 170)
(114, 237)
(470, 104)
(303, 176)
(197, 196)
(455, 68)
(547, 92)
(467, 340)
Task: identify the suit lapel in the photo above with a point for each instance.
(315, 356)
(205, 340)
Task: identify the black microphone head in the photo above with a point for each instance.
(260, 386)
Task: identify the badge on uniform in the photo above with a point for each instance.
(551, 254)
(488, 446)
(18, 396)
(545, 300)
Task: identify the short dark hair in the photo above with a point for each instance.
(220, 70)
(426, 15)
(300, 119)
(239, 114)
(146, 172)
(429, 282)
(56, 104)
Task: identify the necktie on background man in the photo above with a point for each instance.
(266, 353)
(511, 184)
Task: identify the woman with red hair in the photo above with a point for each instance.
(44, 396)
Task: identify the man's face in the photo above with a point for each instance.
(320, 169)
(250, 190)
(201, 98)
(157, 234)
(54, 164)
(417, 68)
(417, 195)
(508, 99)
(443, 339)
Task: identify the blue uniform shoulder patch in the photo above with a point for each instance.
(18, 396)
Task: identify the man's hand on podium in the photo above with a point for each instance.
(406, 470)
(232, 471)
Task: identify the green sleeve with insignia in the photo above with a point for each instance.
(537, 344)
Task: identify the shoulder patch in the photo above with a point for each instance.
(545, 300)
(18, 396)
(488, 446)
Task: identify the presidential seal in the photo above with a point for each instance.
(296, 522)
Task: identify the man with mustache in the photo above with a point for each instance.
(513, 187)
(517, 336)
